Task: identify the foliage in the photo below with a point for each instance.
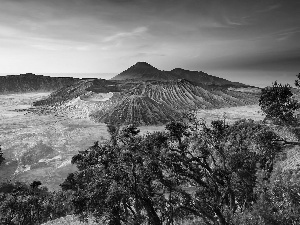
(209, 173)
(277, 103)
(30, 204)
(221, 163)
(115, 180)
(278, 201)
(216, 175)
(71, 220)
(279, 198)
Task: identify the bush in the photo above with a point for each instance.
(30, 204)
(279, 198)
(278, 104)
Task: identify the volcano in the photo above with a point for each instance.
(145, 95)
(143, 71)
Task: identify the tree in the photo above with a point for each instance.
(209, 173)
(278, 198)
(277, 103)
(220, 164)
(30, 204)
(116, 181)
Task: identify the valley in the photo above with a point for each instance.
(135, 112)
(40, 147)
(46, 121)
(143, 95)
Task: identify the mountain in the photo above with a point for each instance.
(79, 88)
(137, 109)
(41, 147)
(143, 71)
(200, 77)
(142, 94)
(184, 95)
(142, 103)
(32, 83)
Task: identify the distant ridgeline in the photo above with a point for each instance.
(144, 72)
(32, 83)
(144, 95)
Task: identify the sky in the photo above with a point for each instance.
(255, 42)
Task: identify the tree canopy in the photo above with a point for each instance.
(277, 103)
(30, 204)
(217, 174)
(209, 173)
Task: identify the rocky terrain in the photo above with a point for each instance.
(136, 109)
(41, 131)
(40, 147)
(145, 95)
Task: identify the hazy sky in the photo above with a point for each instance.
(255, 41)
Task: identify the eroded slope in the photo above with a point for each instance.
(148, 102)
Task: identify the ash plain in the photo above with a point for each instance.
(40, 147)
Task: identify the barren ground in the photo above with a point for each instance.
(41, 147)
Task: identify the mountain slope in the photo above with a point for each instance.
(148, 102)
(142, 94)
(200, 77)
(79, 88)
(143, 71)
(184, 95)
(137, 109)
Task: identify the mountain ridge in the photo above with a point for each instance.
(143, 71)
(30, 82)
(142, 103)
(142, 94)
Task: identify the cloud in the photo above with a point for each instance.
(177, 29)
(121, 35)
(232, 23)
(269, 8)
(286, 34)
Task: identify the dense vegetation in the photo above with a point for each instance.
(30, 204)
(219, 174)
(213, 174)
(277, 103)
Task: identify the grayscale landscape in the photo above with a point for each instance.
(40, 147)
(39, 143)
(149, 112)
